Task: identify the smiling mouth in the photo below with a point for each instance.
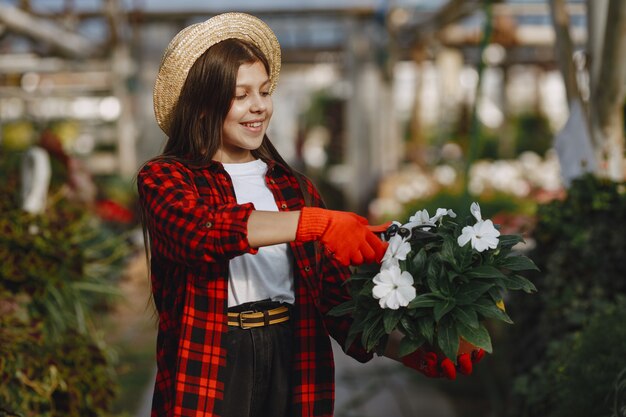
(253, 124)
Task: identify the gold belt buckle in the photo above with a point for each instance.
(241, 319)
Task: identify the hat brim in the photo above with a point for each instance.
(191, 42)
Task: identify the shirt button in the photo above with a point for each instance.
(208, 225)
(284, 206)
(307, 268)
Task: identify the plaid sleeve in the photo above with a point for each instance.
(333, 292)
(183, 226)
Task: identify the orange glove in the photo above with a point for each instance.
(435, 365)
(344, 234)
(379, 228)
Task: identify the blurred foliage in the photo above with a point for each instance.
(17, 136)
(490, 204)
(560, 351)
(70, 376)
(579, 376)
(58, 270)
(529, 131)
(532, 133)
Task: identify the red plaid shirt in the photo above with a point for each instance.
(196, 227)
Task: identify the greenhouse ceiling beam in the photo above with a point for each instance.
(143, 16)
(450, 12)
(43, 30)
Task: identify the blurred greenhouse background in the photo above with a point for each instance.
(390, 106)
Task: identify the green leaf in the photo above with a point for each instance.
(432, 275)
(419, 312)
(410, 327)
(419, 261)
(448, 338)
(97, 288)
(518, 263)
(478, 337)
(518, 282)
(422, 300)
(451, 275)
(443, 283)
(443, 307)
(391, 319)
(375, 339)
(484, 271)
(371, 330)
(488, 309)
(352, 335)
(367, 289)
(409, 345)
(466, 315)
(426, 327)
(447, 253)
(471, 291)
(508, 241)
(496, 294)
(361, 276)
(342, 309)
(465, 255)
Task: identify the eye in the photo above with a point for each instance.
(265, 93)
(240, 96)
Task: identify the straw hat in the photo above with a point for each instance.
(193, 41)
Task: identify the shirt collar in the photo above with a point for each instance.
(216, 166)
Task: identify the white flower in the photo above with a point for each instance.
(442, 212)
(420, 217)
(483, 235)
(393, 288)
(475, 210)
(397, 250)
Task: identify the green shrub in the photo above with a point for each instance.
(68, 376)
(580, 244)
(56, 270)
(532, 133)
(490, 205)
(586, 383)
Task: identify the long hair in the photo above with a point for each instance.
(205, 99)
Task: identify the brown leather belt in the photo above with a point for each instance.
(249, 319)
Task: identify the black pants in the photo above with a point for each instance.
(258, 368)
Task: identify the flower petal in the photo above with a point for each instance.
(391, 301)
(405, 279)
(384, 277)
(475, 210)
(390, 263)
(486, 228)
(405, 295)
(479, 244)
(381, 291)
(466, 234)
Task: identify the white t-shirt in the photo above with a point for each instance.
(269, 272)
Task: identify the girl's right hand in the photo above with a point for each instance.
(346, 235)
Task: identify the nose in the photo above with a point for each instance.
(259, 104)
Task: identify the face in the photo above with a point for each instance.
(248, 117)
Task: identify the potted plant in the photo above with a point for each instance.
(438, 282)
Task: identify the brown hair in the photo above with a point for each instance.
(198, 117)
(205, 99)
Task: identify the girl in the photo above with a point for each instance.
(244, 260)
